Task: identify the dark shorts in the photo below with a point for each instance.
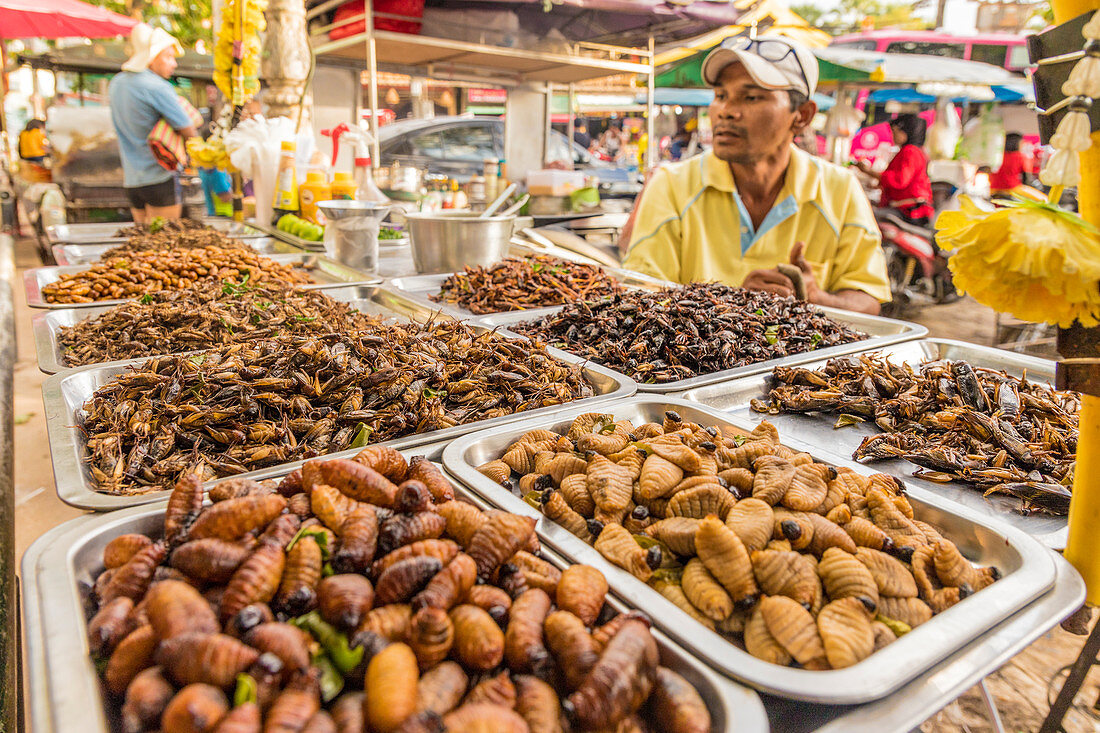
(166, 193)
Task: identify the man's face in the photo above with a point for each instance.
(164, 63)
(749, 121)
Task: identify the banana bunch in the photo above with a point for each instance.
(1028, 258)
(208, 153)
(249, 33)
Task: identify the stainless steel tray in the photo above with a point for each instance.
(327, 272)
(101, 232)
(1027, 568)
(419, 287)
(65, 393)
(294, 239)
(65, 693)
(46, 325)
(882, 332)
(86, 254)
(817, 430)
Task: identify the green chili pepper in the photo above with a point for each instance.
(332, 682)
(246, 690)
(334, 643)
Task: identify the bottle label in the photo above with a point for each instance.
(284, 192)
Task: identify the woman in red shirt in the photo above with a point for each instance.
(1013, 164)
(904, 183)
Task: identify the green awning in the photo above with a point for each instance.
(688, 73)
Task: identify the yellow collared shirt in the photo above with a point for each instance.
(692, 226)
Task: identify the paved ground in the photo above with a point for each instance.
(1020, 688)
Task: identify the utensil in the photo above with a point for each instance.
(514, 208)
(351, 234)
(491, 208)
(447, 241)
(573, 244)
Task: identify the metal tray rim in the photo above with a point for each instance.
(61, 253)
(864, 682)
(251, 231)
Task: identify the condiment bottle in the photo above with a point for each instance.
(489, 170)
(461, 200)
(343, 186)
(286, 182)
(315, 189)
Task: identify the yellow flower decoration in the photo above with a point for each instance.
(1030, 259)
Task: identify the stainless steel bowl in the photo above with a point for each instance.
(448, 241)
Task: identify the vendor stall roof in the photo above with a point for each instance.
(108, 57)
(909, 68)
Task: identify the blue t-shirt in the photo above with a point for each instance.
(138, 100)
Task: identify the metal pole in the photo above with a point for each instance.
(546, 126)
(372, 71)
(1077, 673)
(650, 114)
(9, 640)
(571, 128)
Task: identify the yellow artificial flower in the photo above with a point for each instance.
(1030, 259)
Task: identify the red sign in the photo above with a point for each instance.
(486, 96)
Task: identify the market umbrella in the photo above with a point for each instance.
(60, 19)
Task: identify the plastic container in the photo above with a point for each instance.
(344, 187)
(554, 182)
(313, 191)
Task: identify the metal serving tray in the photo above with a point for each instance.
(326, 271)
(102, 232)
(1028, 571)
(65, 393)
(882, 332)
(419, 287)
(65, 693)
(47, 324)
(86, 254)
(294, 239)
(817, 430)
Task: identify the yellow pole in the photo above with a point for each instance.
(1084, 508)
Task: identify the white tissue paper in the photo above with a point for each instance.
(254, 146)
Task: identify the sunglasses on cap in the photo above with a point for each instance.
(769, 49)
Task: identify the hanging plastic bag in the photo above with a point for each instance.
(943, 135)
(983, 139)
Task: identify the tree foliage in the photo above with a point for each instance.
(187, 20)
(848, 15)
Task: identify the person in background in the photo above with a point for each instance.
(754, 200)
(613, 139)
(140, 95)
(680, 142)
(580, 134)
(1013, 165)
(905, 184)
(33, 145)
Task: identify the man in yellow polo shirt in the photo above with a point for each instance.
(734, 213)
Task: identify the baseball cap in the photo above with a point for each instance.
(147, 43)
(773, 62)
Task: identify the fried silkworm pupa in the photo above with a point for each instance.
(496, 690)
(497, 471)
(845, 628)
(344, 600)
(214, 659)
(484, 717)
(495, 601)
(610, 485)
(119, 550)
(910, 611)
(890, 575)
(449, 585)
(724, 555)
(753, 521)
(175, 608)
(389, 622)
(358, 542)
(538, 573)
(299, 504)
(289, 643)
(558, 509)
(109, 625)
(676, 704)
(235, 488)
(675, 594)
(280, 531)
(582, 590)
(423, 470)
(786, 573)
(760, 643)
(955, 570)
(699, 501)
(248, 618)
(268, 674)
(334, 508)
(133, 578)
(621, 680)
(255, 581)
(678, 533)
(571, 645)
(348, 712)
(390, 685)
(795, 629)
(195, 709)
(463, 520)
(291, 484)
(618, 546)
(659, 477)
(210, 560)
(497, 540)
(442, 550)
(421, 722)
(523, 642)
(353, 479)
(431, 635)
(441, 688)
(291, 710)
(234, 518)
(884, 635)
(412, 497)
(401, 581)
(297, 590)
(133, 654)
(809, 487)
(704, 592)
(404, 529)
(844, 576)
(603, 634)
(772, 478)
(184, 505)
(146, 697)
(386, 461)
(321, 722)
(538, 704)
(479, 642)
(101, 582)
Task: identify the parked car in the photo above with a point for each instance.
(457, 147)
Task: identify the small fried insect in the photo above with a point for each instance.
(174, 608)
(621, 680)
(195, 709)
(571, 645)
(402, 580)
(677, 705)
(582, 590)
(704, 592)
(119, 550)
(211, 560)
(404, 529)
(479, 642)
(617, 545)
(523, 642)
(214, 659)
(538, 704)
(133, 578)
(289, 643)
(495, 690)
(497, 540)
(483, 718)
(845, 628)
(391, 687)
(431, 635)
(234, 518)
(297, 592)
(795, 629)
(725, 556)
(441, 688)
(146, 698)
(109, 625)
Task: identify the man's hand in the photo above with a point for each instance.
(851, 300)
(771, 281)
(813, 291)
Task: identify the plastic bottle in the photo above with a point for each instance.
(449, 195)
(315, 189)
(368, 189)
(286, 183)
(343, 186)
(489, 170)
(461, 200)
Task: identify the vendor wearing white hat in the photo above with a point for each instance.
(734, 213)
(140, 96)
